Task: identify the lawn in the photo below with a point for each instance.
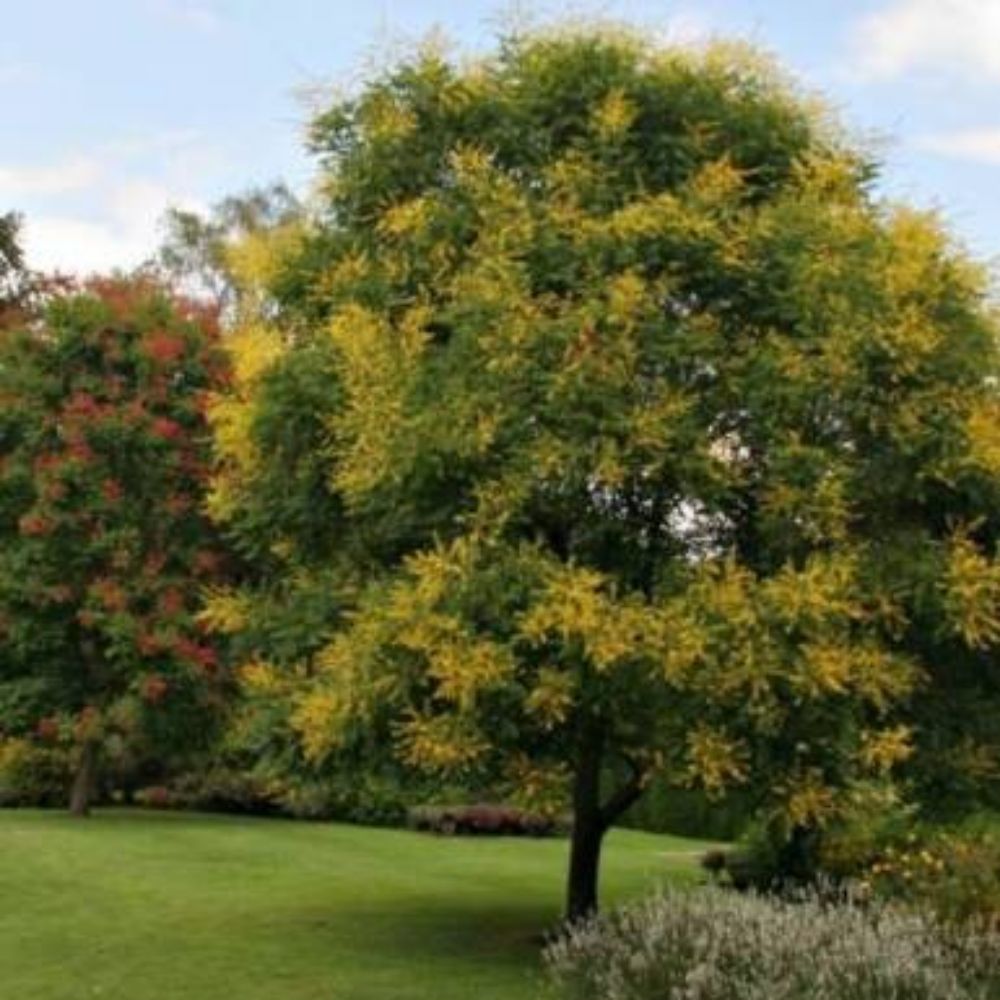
(156, 906)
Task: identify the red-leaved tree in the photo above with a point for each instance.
(104, 454)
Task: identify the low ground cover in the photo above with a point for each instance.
(717, 945)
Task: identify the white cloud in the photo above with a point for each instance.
(73, 174)
(688, 28)
(152, 142)
(125, 234)
(980, 145)
(15, 72)
(83, 171)
(956, 35)
(193, 14)
(78, 246)
(101, 209)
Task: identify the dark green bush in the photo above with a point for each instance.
(226, 790)
(364, 798)
(32, 774)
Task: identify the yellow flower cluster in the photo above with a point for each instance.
(440, 743)
(882, 749)
(715, 762)
(224, 610)
(972, 592)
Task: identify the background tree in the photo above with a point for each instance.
(11, 258)
(15, 280)
(197, 251)
(655, 443)
(103, 464)
(23, 292)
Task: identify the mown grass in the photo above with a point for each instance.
(151, 906)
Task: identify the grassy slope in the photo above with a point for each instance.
(144, 906)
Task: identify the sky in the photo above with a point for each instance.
(113, 110)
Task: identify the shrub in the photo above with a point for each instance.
(359, 798)
(482, 818)
(955, 874)
(878, 821)
(755, 863)
(717, 945)
(33, 775)
(873, 818)
(158, 797)
(227, 790)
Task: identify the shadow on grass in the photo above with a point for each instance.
(434, 927)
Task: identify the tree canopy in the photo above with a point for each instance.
(104, 454)
(622, 431)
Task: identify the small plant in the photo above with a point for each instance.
(481, 818)
(718, 945)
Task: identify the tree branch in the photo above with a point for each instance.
(624, 797)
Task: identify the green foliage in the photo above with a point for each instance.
(882, 847)
(342, 795)
(648, 441)
(954, 874)
(872, 818)
(876, 820)
(689, 812)
(103, 462)
(33, 774)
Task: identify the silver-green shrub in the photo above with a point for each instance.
(717, 945)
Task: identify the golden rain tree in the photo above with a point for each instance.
(627, 432)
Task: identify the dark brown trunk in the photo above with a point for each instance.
(592, 819)
(584, 869)
(588, 824)
(84, 780)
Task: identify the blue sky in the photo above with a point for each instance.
(114, 109)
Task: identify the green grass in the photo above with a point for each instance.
(152, 906)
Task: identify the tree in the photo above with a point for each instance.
(11, 259)
(103, 463)
(653, 442)
(197, 251)
(13, 276)
(23, 292)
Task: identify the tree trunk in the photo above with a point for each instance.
(592, 819)
(588, 823)
(584, 869)
(84, 780)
